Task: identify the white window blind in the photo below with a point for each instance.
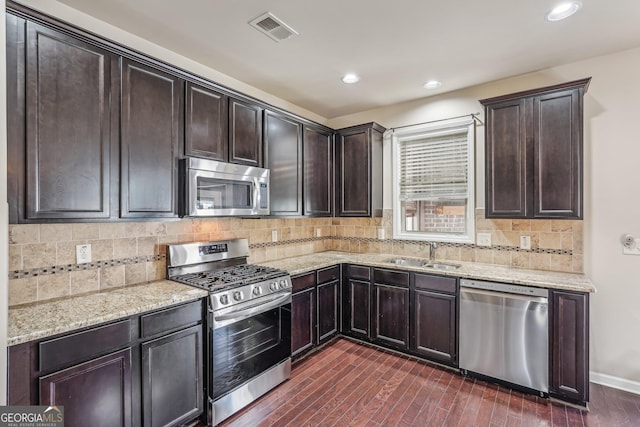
(435, 166)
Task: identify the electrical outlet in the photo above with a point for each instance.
(318, 232)
(274, 235)
(483, 239)
(525, 242)
(380, 233)
(633, 250)
(83, 254)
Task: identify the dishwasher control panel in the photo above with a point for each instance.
(505, 287)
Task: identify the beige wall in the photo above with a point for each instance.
(612, 199)
(4, 217)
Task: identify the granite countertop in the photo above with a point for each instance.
(468, 270)
(38, 320)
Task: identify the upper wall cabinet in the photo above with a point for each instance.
(206, 123)
(283, 157)
(533, 149)
(245, 133)
(359, 174)
(63, 128)
(317, 171)
(152, 123)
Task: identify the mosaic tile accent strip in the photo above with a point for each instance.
(44, 271)
(288, 242)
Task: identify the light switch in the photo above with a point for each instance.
(274, 235)
(525, 242)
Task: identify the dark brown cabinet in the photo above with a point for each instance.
(317, 172)
(327, 308)
(434, 320)
(142, 370)
(152, 129)
(534, 153)
(356, 301)
(245, 133)
(390, 314)
(172, 378)
(569, 338)
(359, 172)
(283, 157)
(303, 320)
(206, 123)
(96, 393)
(63, 138)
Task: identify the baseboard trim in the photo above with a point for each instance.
(615, 382)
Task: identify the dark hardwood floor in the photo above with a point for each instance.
(349, 383)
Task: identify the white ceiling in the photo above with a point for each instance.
(395, 46)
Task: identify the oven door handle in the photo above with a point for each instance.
(243, 314)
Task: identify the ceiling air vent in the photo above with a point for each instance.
(273, 27)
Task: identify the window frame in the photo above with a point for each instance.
(432, 130)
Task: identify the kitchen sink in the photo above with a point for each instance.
(408, 262)
(419, 263)
(441, 266)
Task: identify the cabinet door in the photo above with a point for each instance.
(303, 321)
(151, 131)
(172, 383)
(355, 174)
(508, 191)
(570, 346)
(327, 310)
(557, 135)
(357, 306)
(435, 326)
(245, 133)
(391, 315)
(318, 172)
(71, 101)
(283, 156)
(206, 123)
(94, 393)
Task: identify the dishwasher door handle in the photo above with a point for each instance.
(497, 294)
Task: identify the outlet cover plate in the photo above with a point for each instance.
(83, 254)
(274, 235)
(525, 242)
(483, 239)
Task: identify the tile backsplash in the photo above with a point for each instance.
(42, 262)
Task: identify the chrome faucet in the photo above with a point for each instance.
(432, 250)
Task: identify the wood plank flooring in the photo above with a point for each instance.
(353, 384)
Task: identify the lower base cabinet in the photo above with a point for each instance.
(327, 295)
(172, 389)
(303, 321)
(94, 393)
(391, 315)
(143, 370)
(434, 326)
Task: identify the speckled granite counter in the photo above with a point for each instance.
(38, 320)
(469, 270)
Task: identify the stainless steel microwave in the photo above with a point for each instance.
(212, 188)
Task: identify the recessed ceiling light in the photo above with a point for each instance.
(563, 11)
(432, 84)
(350, 78)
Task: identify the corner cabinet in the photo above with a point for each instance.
(569, 339)
(534, 153)
(152, 129)
(359, 172)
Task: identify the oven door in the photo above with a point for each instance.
(247, 341)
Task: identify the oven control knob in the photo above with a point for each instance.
(283, 283)
(224, 299)
(273, 286)
(237, 295)
(257, 291)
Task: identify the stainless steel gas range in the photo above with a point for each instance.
(248, 324)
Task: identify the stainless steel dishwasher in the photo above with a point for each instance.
(504, 333)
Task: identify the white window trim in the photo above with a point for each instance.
(417, 132)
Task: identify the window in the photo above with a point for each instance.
(433, 182)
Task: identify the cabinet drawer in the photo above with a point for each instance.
(70, 349)
(436, 283)
(328, 274)
(359, 272)
(304, 281)
(170, 319)
(391, 277)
